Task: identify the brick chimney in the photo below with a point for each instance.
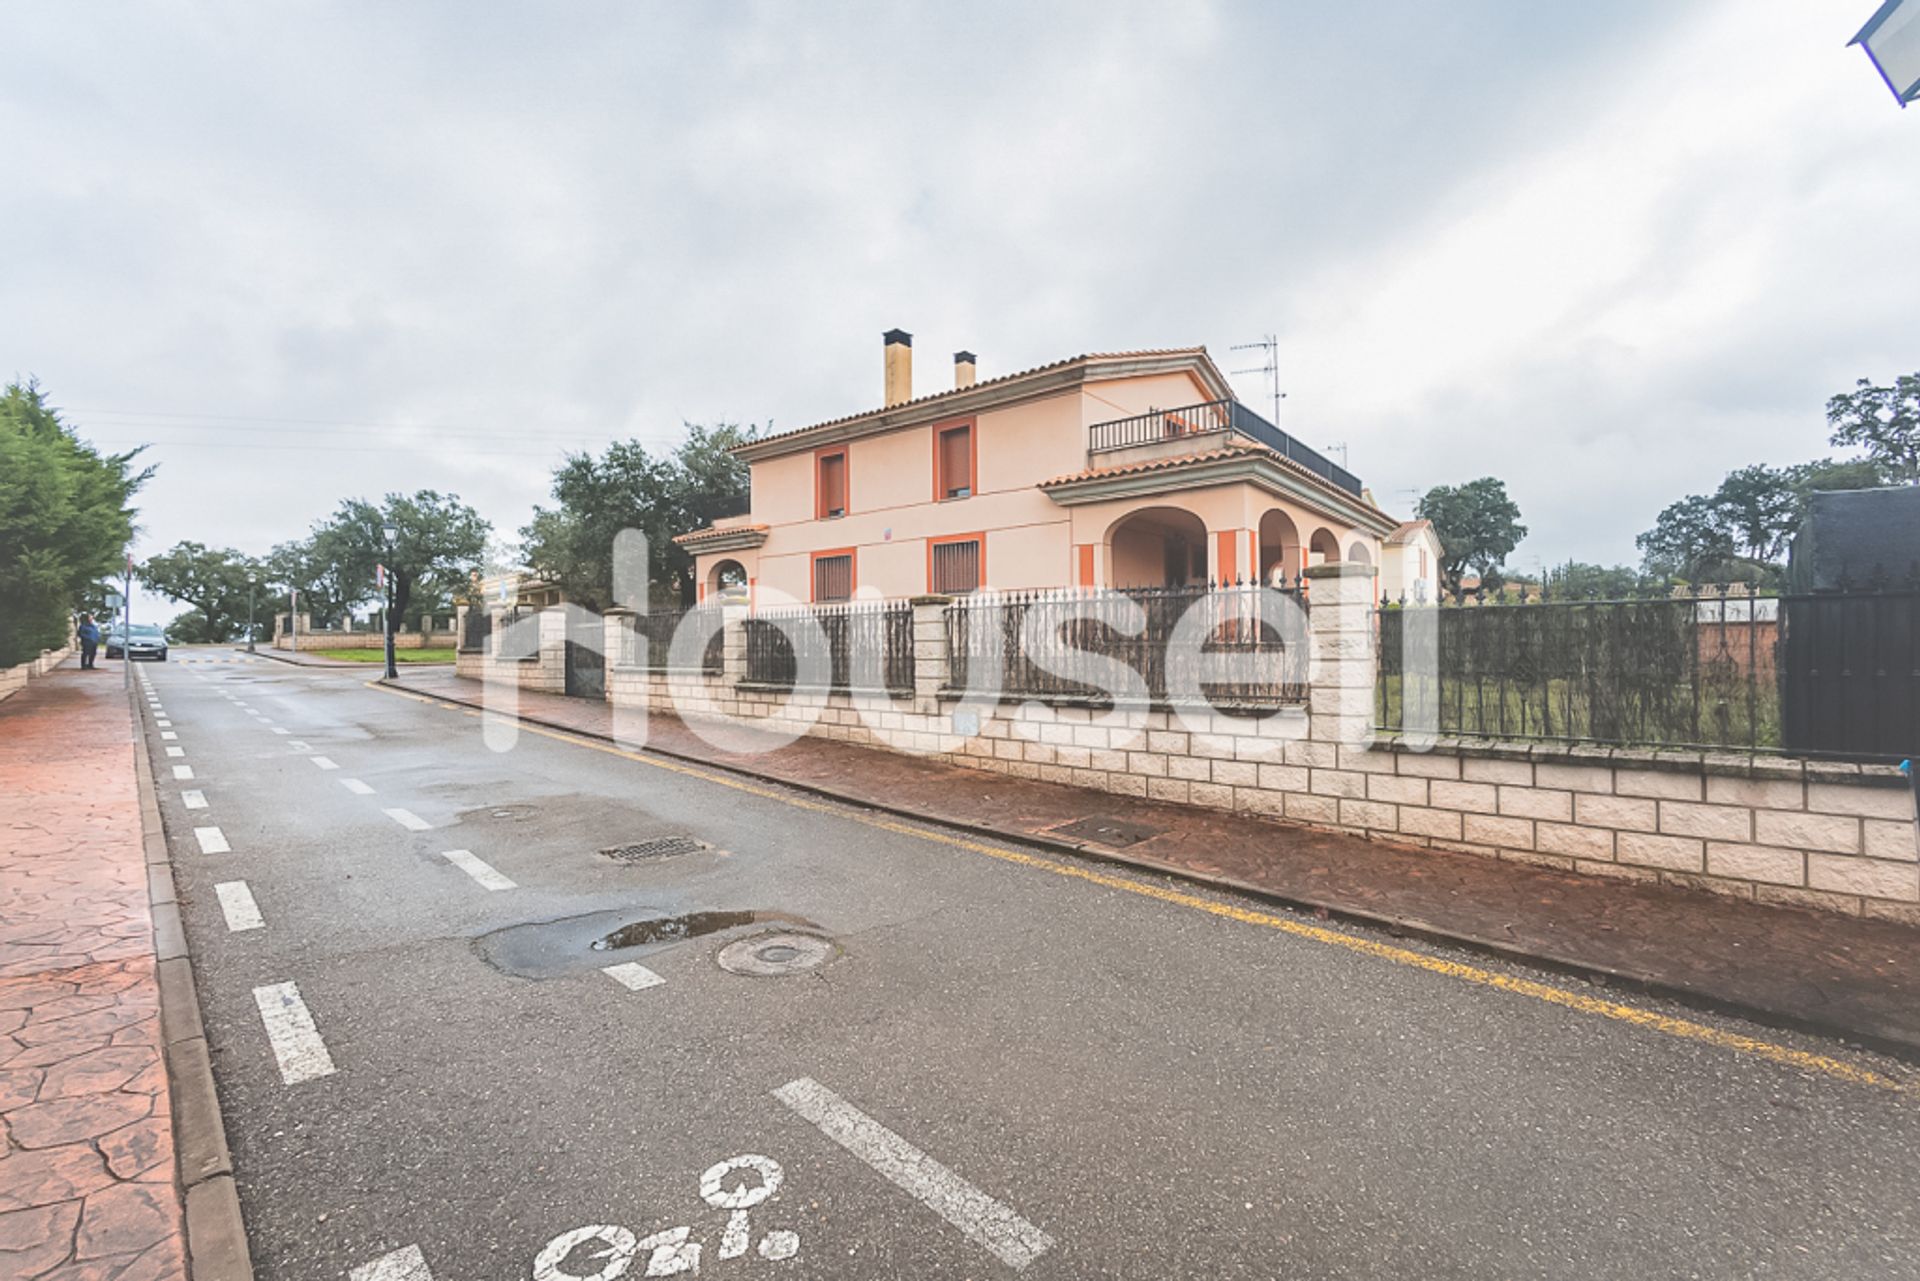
(962, 369)
(899, 349)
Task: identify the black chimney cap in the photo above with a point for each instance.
(900, 336)
(964, 358)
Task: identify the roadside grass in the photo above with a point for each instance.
(380, 655)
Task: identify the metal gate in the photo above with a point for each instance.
(1850, 674)
(586, 665)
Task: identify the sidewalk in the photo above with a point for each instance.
(1790, 967)
(87, 1174)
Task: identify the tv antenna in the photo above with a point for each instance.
(1270, 344)
(1340, 445)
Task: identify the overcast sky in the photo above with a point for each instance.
(1604, 251)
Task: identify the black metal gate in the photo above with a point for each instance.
(1850, 674)
(586, 665)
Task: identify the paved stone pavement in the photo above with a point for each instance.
(1814, 970)
(87, 1179)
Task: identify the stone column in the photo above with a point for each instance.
(733, 644)
(931, 670)
(614, 637)
(1340, 622)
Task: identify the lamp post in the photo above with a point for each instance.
(252, 584)
(389, 533)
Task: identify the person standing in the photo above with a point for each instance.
(89, 633)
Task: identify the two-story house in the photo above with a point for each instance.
(1127, 469)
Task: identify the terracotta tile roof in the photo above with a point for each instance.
(933, 397)
(1234, 447)
(717, 531)
(1407, 531)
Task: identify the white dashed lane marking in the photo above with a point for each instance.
(409, 820)
(478, 868)
(164, 724)
(236, 900)
(355, 786)
(298, 746)
(183, 771)
(633, 976)
(296, 1042)
(1004, 1234)
(406, 1264)
(194, 799)
(176, 751)
(280, 731)
(212, 840)
(323, 762)
(168, 736)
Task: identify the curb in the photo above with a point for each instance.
(216, 1232)
(1396, 926)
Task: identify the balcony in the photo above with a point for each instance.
(1215, 417)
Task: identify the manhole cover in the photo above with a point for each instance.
(1115, 833)
(504, 813)
(658, 848)
(771, 955)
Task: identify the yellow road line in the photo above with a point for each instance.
(1685, 1029)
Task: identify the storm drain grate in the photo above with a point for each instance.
(658, 848)
(1115, 833)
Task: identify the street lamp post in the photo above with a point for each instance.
(390, 534)
(252, 584)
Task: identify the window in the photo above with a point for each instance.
(833, 576)
(1423, 562)
(954, 565)
(830, 488)
(953, 462)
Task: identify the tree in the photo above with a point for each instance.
(1689, 540)
(1885, 421)
(1477, 524)
(215, 581)
(1603, 582)
(1759, 508)
(439, 541)
(628, 488)
(65, 521)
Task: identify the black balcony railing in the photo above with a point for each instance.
(1214, 416)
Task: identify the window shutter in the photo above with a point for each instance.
(956, 567)
(833, 578)
(956, 463)
(833, 485)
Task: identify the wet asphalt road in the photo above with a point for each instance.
(1111, 1085)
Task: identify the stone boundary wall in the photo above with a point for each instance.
(14, 679)
(367, 640)
(1826, 835)
(545, 673)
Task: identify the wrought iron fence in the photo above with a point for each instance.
(1828, 675)
(477, 627)
(861, 645)
(646, 640)
(1248, 644)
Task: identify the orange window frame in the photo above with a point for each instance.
(813, 571)
(972, 428)
(846, 481)
(980, 556)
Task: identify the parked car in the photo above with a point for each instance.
(141, 640)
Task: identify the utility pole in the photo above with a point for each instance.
(251, 585)
(1270, 344)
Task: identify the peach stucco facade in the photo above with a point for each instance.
(1042, 511)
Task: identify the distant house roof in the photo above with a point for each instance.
(1411, 530)
(723, 535)
(993, 392)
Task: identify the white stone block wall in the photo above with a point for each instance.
(1832, 836)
